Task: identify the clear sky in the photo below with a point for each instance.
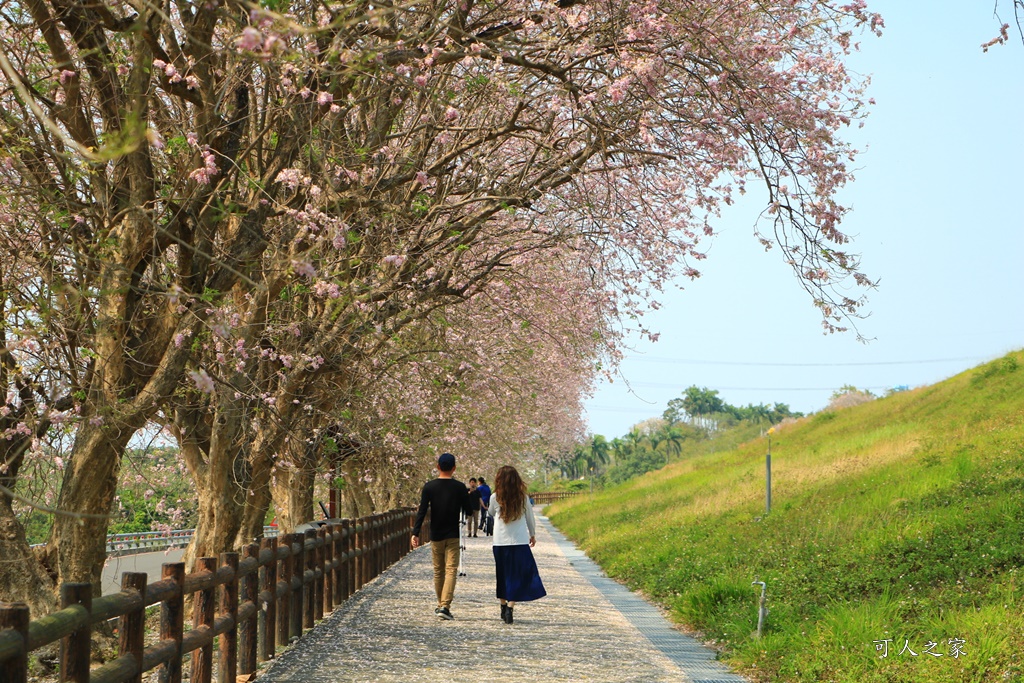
(936, 217)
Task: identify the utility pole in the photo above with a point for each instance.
(768, 474)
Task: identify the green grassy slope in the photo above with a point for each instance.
(899, 520)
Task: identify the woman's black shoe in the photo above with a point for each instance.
(504, 613)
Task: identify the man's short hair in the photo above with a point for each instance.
(473, 479)
(446, 463)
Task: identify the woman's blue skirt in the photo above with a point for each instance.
(516, 570)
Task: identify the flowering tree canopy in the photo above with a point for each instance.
(259, 223)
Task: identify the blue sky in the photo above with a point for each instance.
(937, 219)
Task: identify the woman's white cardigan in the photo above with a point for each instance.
(516, 532)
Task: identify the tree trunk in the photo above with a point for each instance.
(257, 502)
(136, 368)
(22, 578)
(261, 458)
(222, 478)
(79, 535)
(355, 498)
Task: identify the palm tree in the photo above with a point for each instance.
(617, 447)
(674, 438)
(600, 449)
(656, 439)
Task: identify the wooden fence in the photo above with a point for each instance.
(552, 496)
(268, 595)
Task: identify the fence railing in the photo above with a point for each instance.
(268, 595)
(148, 541)
(551, 496)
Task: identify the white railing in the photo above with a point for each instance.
(148, 541)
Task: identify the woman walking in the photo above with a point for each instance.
(514, 535)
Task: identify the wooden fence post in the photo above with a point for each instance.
(382, 542)
(74, 649)
(249, 632)
(368, 543)
(396, 532)
(297, 543)
(408, 519)
(284, 604)
(378, 544)
(323, 582)
(203, 616)
(227, 670)
(364, 550)
(369, 548)
(132, 626)
(375, 547)
(172, 621)
(353, 561)
(399, 520)
(308, 541)
(268, 601)
(14, 616)
(389, 541)
(385, 541)
(328, 548)
(345, 580)
(393, 533)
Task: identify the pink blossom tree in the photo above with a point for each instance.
(250, 207)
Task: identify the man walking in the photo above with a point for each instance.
(485, 501)
(474, 509)
(446, 497)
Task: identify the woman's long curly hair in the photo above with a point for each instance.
(510, 490)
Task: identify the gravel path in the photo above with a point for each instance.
(387, 632)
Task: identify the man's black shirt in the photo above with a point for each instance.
(446, 498)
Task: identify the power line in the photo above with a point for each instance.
(665, 385)
(642, 409)
(688, 361)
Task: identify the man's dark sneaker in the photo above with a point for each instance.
(445, 614)
(437, 611)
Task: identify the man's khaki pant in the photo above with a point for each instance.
(446, 569)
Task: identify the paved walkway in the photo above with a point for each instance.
(588, 628)
(150, 563)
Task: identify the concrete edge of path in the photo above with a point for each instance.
(698, 662)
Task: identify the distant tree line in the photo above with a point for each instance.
(698, 421)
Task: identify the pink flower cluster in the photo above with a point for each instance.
(202, 381)
(174, 76)
(208, 170)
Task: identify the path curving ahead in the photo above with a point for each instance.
(588, 628)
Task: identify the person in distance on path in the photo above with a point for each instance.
(485, 500)
(474, 506)
(447, 498)
(514, 534)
